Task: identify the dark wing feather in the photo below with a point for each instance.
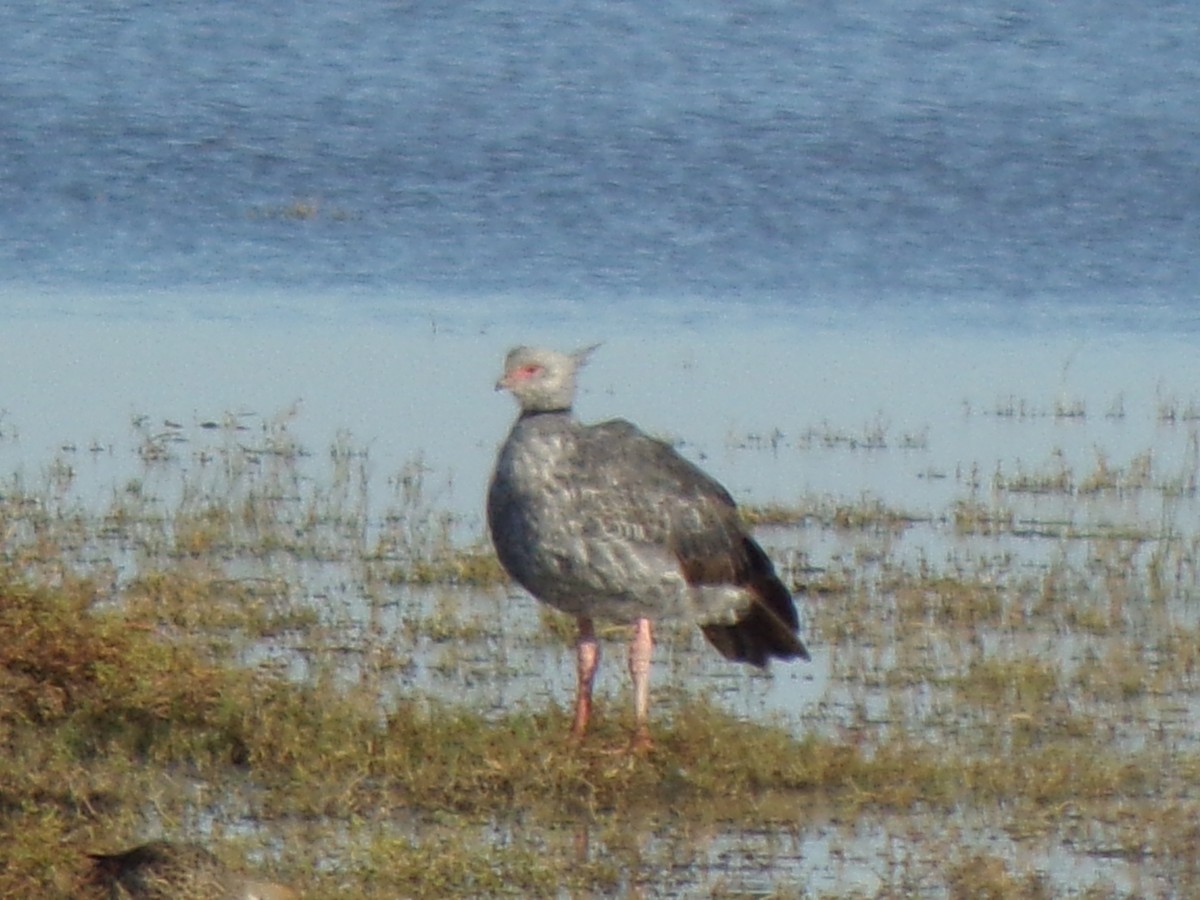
(645, 480)
(769, 628)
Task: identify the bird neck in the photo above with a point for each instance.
(527, 414)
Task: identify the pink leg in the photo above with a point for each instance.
(640, 650)
(587, 658)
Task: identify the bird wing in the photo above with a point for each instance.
(628, 485)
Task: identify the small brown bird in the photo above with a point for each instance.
(161, 870)
(602, 521)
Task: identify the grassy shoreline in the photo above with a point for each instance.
(1001, 688)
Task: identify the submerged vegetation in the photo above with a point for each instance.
(243, 645)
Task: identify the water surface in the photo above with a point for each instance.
(976, 161)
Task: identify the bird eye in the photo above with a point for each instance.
(530, 370)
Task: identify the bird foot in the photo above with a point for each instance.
(641, 742)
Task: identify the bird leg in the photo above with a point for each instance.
(587, 658)
(640, 649)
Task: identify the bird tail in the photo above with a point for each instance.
(769, 628)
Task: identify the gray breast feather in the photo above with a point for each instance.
(606, 520)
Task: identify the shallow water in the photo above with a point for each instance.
(776, 409)
(819, 417)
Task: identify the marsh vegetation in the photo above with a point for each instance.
(317, 670)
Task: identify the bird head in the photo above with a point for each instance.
(542, 380)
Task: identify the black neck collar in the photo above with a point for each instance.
(531, 413)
